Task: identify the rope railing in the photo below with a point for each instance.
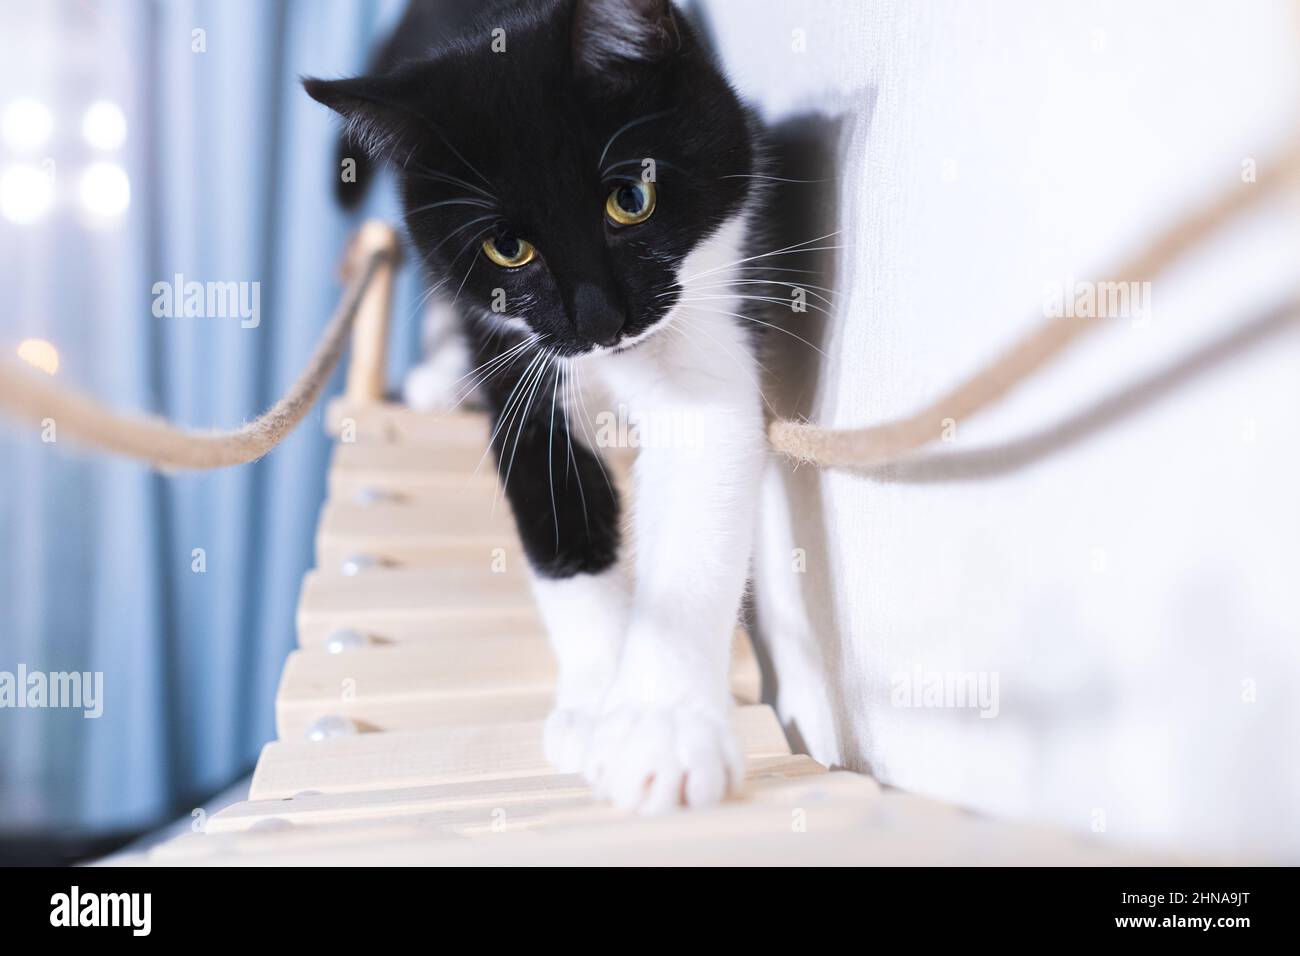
(880, 444)
(362, 316)
(33, 397)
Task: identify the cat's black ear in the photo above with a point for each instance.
(614, 37)
(372, 109)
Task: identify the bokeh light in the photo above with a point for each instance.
(26, 193)
(26, 125)
(38, 353)
(103, 125)
(105, 190)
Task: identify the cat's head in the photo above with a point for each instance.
(559, 163)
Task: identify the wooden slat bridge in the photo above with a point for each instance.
(410, 716)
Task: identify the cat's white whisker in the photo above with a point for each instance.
(550, 455)
(627, 126)
(774, 179)
(787, 252)
(500, 356)
(683, 315)
(813, 290)
(439, 285)
(491, 368)
(445, 239)
(520, 406)
(750, 318)
(473, 262)
(568, 437)
(501, 418)
(793, 285)
(804, 246)
(465, 201)
(465, 248)
(523, 420)
(420, 302)
(455, 152)
(767, 268)
(774, 300)
(448, 178)
(591, 442)
(604, 173)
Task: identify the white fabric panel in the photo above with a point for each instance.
(1132, 579)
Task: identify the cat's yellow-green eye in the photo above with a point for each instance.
(509, 252)
(631, 203)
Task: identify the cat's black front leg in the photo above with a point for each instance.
(566, 509)
(564, 500)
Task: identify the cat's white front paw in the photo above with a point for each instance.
(432, 386)
(654, 758)
(567, 737)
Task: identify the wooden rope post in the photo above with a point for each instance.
(366, 378)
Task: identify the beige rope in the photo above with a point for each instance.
(36, 398)
(880, 444)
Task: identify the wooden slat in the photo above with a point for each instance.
(524, 800)
(458, 810)
(449, 462)
(443, 755)
(489, 678)
(390, 423)
(411, 472)
(504, 677)
(432, 554)
(402, 534)
(776, 820)
(382, 422)
(422, 470)
(455, 493)
(831, 819)
(470, 528)
(418, 604)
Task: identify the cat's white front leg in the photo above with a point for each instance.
(586, 618)
(664, 737)
(438, 383)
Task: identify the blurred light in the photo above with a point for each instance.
(26, 193)
(105, 190)
(27, 124)
(103, 125)
(40, 354)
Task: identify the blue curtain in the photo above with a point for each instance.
(230, 168)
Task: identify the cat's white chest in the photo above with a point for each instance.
(701, 353)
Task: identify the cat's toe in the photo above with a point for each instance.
(566, 738)
(656, 759)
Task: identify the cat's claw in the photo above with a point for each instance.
(654, 758)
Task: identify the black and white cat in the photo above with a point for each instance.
(579, 180)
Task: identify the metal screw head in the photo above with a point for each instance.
(369, 495)
(345, 639)
(331, 725)
(354, 564)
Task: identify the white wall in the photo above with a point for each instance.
(1123, 568)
